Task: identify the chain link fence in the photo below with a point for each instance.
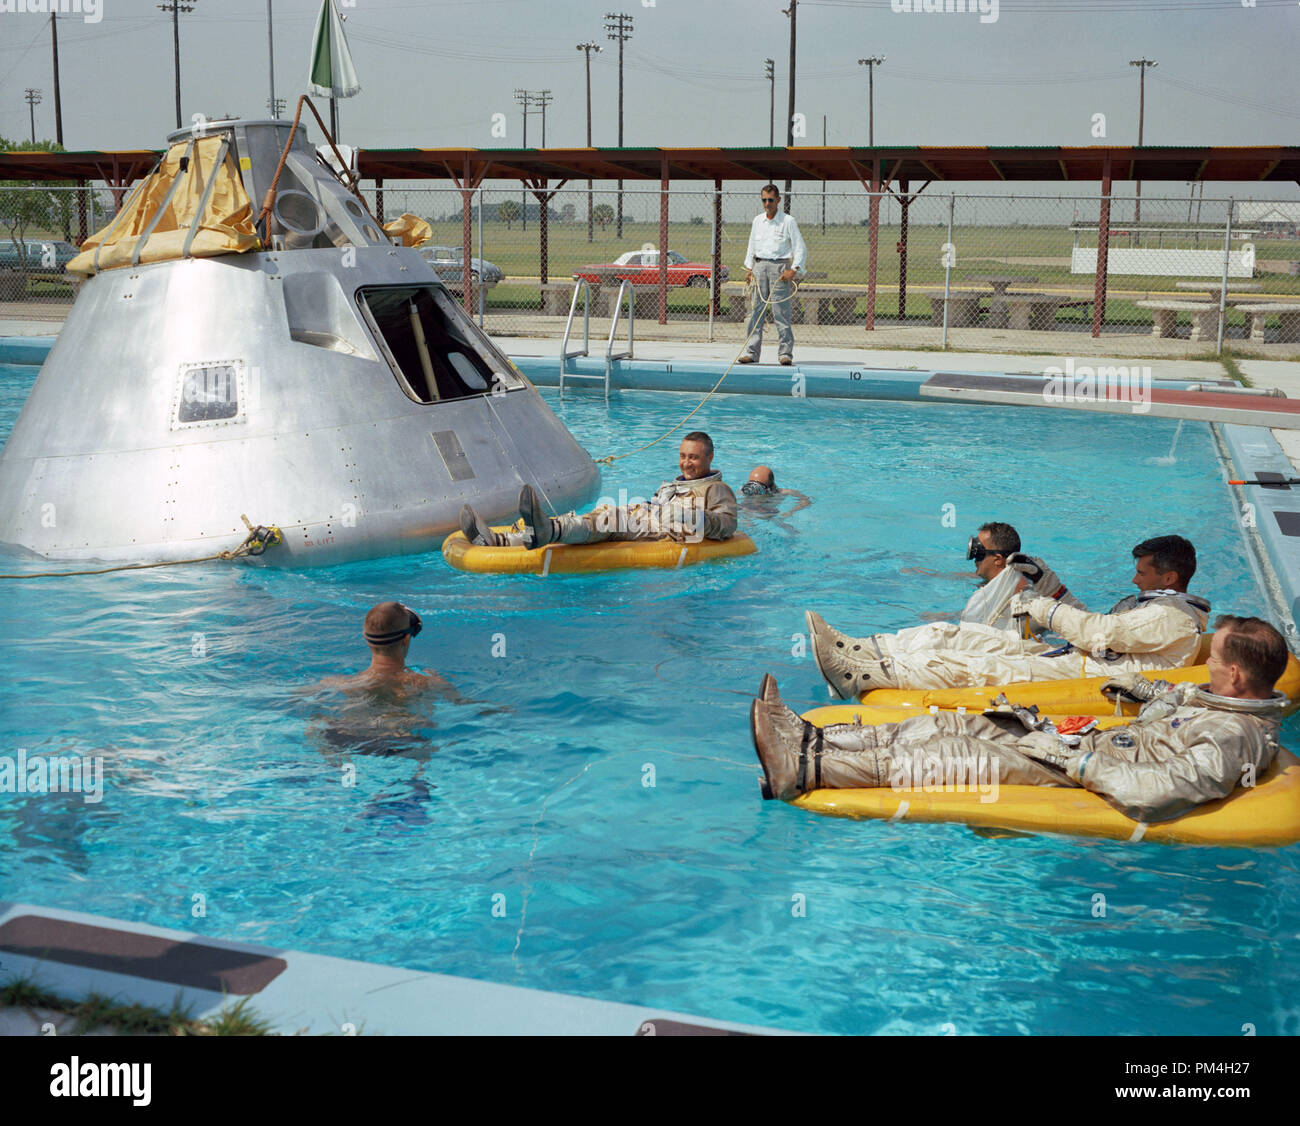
(40, 229)
(960, 270)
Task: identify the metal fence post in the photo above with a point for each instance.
(478, 222)
(947, 266)
(1223, 289)
(715, 251)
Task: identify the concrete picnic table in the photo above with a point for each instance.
(1214, 289)
(1000, 283)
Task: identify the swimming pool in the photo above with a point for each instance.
(593, 825)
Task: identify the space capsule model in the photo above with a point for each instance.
(285, 364)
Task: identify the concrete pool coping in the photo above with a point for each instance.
(73, 954)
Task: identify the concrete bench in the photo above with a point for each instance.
(963, 307)
(1204, 314)
(827, 304)
(604, 302)
(1288, 314)
(556, 297)
(1037, 310)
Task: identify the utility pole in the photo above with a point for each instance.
(270, 48)
(33, 100)
(58, 101)
(769, 72)
(525, 98)
(587, 48)
(792, 12)
(823, 180)
(871, 65)
(544, 99)
(176, 7)
(619, 26)
(1142, 65)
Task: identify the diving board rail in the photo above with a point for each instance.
(1240, 406)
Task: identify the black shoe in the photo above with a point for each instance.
(477, 532)
(535, 518)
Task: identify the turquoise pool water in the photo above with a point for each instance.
(516, 839)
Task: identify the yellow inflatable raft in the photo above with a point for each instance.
(612, 555)
(1265, 815)
(1060, 697)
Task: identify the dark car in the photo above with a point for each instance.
(36, 256)
(448, 263)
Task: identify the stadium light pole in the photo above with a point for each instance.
(587, 49)
(270, 49)
(619, 27)
(176, 7)
(33, 98)
(1142, 65)
(871, 65)
(792, 11)
(769, 72)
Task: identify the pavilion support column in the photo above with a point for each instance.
(904, 201)
(873, 244)
(717, 247)
(663, 240)
(468, 184)
(1103, 253)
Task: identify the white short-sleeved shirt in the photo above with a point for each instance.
(776, 238)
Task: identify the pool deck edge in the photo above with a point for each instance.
(318, 994)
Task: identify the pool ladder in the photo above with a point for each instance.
(610, 355)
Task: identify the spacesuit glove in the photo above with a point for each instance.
(1022, 605)
(1046, 582)
(1028, 566)
(1049, 750)
(1134, 687)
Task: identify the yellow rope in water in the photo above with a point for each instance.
(750, 287)
(270, 537)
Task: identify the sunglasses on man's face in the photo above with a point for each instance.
(769, 199)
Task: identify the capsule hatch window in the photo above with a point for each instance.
(437, 353)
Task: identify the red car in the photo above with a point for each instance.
(641, 267)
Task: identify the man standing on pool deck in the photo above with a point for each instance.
(1188, 745)
(776, 253)
(696, 506)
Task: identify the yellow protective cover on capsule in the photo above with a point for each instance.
(612, 555)
(1063, 697)
(1265, 815)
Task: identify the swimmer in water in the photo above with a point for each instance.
(388, 629)
(760, 493)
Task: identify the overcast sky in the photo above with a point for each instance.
(434, 73)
